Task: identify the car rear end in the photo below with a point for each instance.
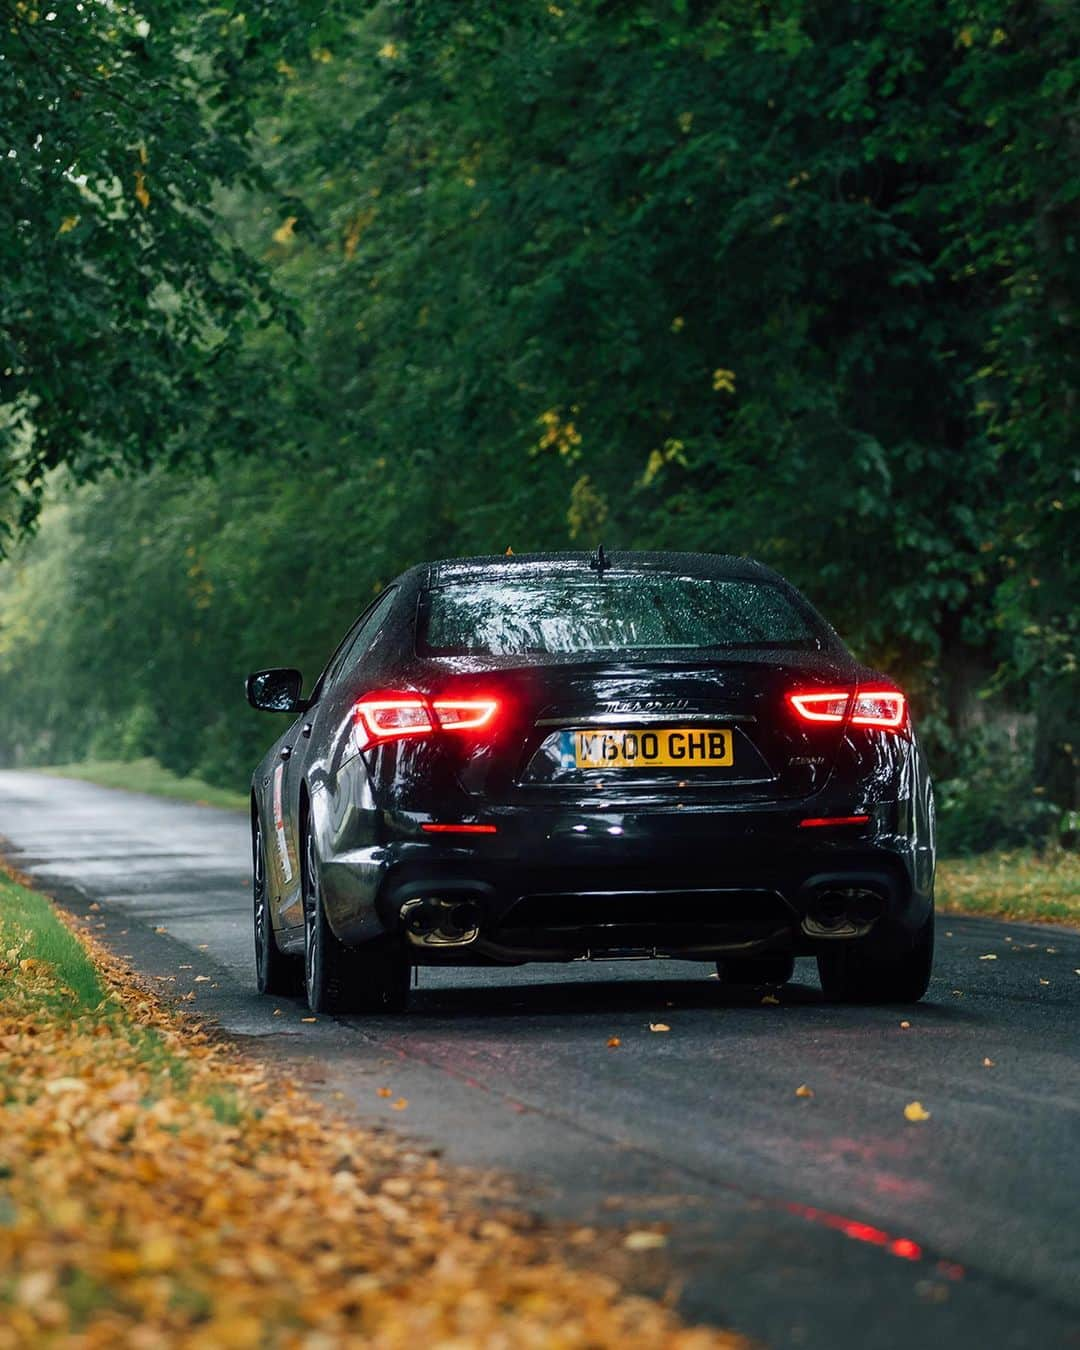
(672, 755)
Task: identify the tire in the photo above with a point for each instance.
(340, 979)
(851, 973)
(773, 969)
(275, 973)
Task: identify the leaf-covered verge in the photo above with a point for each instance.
(1023, 884)
(155, 1190)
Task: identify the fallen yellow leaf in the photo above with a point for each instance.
(916, 1111)
(804, 1091)
(644, 1240)
(770, 998)
(56, 1087)
(384, 1092)
(988, 1063)
(659, 1026)
(69, 223)
(309, 1019)
(989, 957)
(614, 1042)
(400, 1104)
(905, 1025)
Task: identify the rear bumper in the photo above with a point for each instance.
(694, 883)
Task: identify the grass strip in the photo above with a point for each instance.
(1038, 887)
(147, 775)
(156, 1190)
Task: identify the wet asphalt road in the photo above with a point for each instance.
(827, 1221)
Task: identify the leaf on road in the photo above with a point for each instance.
(916, 1111)
(1042, 981)
(309, 1019)
(384, 1092)
(613, 1042)
(400, 1104)
(644, 1240)
(988, 1063)
(905, 1025)
(659, 1026)
(804, 1090)
(771, 999)
(988, 957)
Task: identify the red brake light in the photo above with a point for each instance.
(386, 717)
(885, 709)
(879, 708)
(829, 707)
(464, 714)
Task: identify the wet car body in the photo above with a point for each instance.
(495, 844)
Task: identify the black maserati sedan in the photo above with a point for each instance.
(565, 757)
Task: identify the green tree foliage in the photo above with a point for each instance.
(124, 302)
(794, 279)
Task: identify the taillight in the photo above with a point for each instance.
(464, 714)
(821, 707)
(879, 708)
(885, 709)
(386, 717)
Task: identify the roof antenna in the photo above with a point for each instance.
(599, 560)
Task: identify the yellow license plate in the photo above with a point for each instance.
(663, 748)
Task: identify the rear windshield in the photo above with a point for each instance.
(514, 616)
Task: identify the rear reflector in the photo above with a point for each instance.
(812, 822)
(459, 829)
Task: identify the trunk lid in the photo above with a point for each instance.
(533, 751)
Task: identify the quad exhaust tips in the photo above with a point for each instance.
(437, 921)
(842, 911)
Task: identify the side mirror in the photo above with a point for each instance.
(275, 690)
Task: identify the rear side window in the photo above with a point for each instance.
(364, 636)
(515, 616)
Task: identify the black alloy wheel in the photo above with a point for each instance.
(275, 973)
(340, 979)
(852, 973)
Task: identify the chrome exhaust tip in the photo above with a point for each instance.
(435, 921)
(843, 911)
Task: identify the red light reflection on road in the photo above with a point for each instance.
(901, 1247)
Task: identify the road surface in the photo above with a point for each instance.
(816, 1221)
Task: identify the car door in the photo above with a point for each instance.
(306, 744)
